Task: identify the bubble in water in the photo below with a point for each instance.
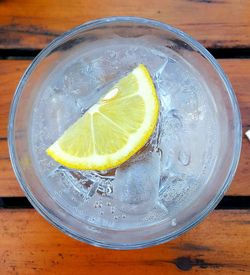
(184, 157)
(136, 185)
(173, 222)
(104, 172)
(98, 204)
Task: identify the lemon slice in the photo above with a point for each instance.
(113, 129)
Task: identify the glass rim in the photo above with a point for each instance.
(54, 220)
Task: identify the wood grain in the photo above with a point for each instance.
(238, 71)
(29, 245)
(32, 24)
(8, 182)
(10, 74)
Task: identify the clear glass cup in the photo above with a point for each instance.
(130, 27)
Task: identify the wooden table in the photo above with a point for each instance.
(221, 244)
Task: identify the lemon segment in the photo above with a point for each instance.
(113, 129)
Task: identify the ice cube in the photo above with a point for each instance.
(184, 157)
(157, 63)
(82, 81)
(175, 188)
(158, 73)
(173, 121)
(172, 141)
(101, 74)
(187, 101)
(88, 183)
(127, 59)
(60, 111)
(78, 81)
(136, 184)
(169, 76)
(111, 65)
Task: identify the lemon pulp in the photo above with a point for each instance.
(113, 129)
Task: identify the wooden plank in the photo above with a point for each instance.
(8, 183)
(29, 245)
(32, 24)
(238, 71)
(240, 185)
(10, 74)
(10, 187)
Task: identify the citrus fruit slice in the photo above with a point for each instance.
(113, 129)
